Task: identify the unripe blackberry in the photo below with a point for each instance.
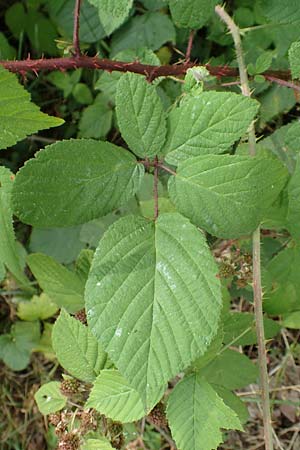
(81, 316)
(69, 387)
(226, 270)
(69, 441)
(54, 419)
(88, 421)
(157, 416)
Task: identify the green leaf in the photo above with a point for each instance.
(95, 178)
(49, 398)
(209, 123)
(77, 350)
(112, 13)
(19, 117)
(150, 30)
(276, 100)
(96, 119)
(239, 329)
(230, 369)
(39, 307)
(283, 273)
(227, 195)
(107, 82)
(191, 13)
(233, 402)
(97, 444)
(292, 320)
(9, 254)
(153, 299)
(82, 94)
(294, 59)
(62, 14)
(115, 398)
(283, 11)
(6, 50)
(293, 215)
(63, 244)
(64, 287)
(196, 414)
(17, 346)
(140, 114)
(292, 137)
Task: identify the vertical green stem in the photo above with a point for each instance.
(257, 289)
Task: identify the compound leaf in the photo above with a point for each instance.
(140, 114)
(72, 182)
(153, 299)
(226, 195)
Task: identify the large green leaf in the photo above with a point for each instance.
(150, 30)
(140, 114)
(191, 13)
(227, 195)
(9, 252)
(293, 215)
(153, 299)
(18, 116)
(72, 182)
(209, 123)
(64, 287)
(196, 413)
(115, 398)
(77, 350)
(112, 13)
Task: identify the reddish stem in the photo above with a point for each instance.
(167, 169)
(151, 72)
(76, 29)
(285, 83)
(190, 46)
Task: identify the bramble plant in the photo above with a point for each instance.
(148, 217)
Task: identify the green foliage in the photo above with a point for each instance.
(98, 177)
(150, 30)
(210, 123)
(19, 117)
(76, 348)
(164, 270)
(196, 413)
(113, 396)
(49, 398)
(140, 114)
(144, 172)
(112, 13)
(63, 287)
(17, 345)
(191, 13)
(211, 190)
(9, 252)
